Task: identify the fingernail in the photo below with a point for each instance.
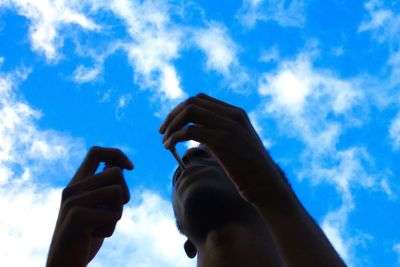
(161, 129)
(165, 137)
(167, 143)
(131, 166)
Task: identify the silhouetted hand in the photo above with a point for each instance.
(91, 206)
(228, 133)
(226, 130)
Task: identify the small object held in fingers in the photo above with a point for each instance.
(178, 159)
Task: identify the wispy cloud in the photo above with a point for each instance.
(285, 13)
(146, 235)
(383, 23)
(153, 42)
(25, 149)
(220, 49)
(29, 158)
(293, 96)
(394, 132)
(221, 53)
(47, 19)
(396, 249)
(153, 46)
(84, 74)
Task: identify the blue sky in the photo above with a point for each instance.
(319, 80)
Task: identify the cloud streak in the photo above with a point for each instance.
(47, 19)
(285, 13)
(316, 107)
(146, 235)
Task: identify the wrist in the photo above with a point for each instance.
(272, 194)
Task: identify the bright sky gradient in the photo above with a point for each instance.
(320, 80)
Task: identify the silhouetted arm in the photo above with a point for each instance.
(299, 238)
(91, 206)
(226, 130)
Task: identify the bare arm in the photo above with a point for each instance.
(299, 238)
(228, 133)
(91, 206)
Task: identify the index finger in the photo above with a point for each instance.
(96, 155)
(201, 99)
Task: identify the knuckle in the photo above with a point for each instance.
(191, 100)
(93, 151)
(108, 231)
(117, 150)
(239, 115)
(116, 172)
(74, 216)
(68, 204)
(66, 193)
(116, 192)
(190, 109)
(222, 137)
(201, 95)
(74, 213)
(231, 127)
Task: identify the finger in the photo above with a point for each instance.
(110, 176)
(199, 100)
(209, 103)
(197, 115)
(100, 223)
(193, 132)
(233, 112)
(107, 198)
(217, 101)
(96, 155)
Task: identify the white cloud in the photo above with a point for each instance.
(122, 102)
(47, 19)
(153, 46)
(396, 249)
(295, 84)
(394, 132)
(285, 13)
(220, 49)
(25, 149)
(152, 43)
(382, 22)
(221, 53)
(84, 74)
(387, 189)
(384, 25)
(145, 236)
(334, 226)
(316, 107)
(28, 154)
(29, 215)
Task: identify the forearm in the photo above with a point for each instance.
(298, 237)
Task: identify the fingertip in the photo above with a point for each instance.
(130, 166)
(162, 128)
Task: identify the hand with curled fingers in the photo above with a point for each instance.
(227, 131)
(91, 206)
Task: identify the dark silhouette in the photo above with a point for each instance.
(231, 201)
